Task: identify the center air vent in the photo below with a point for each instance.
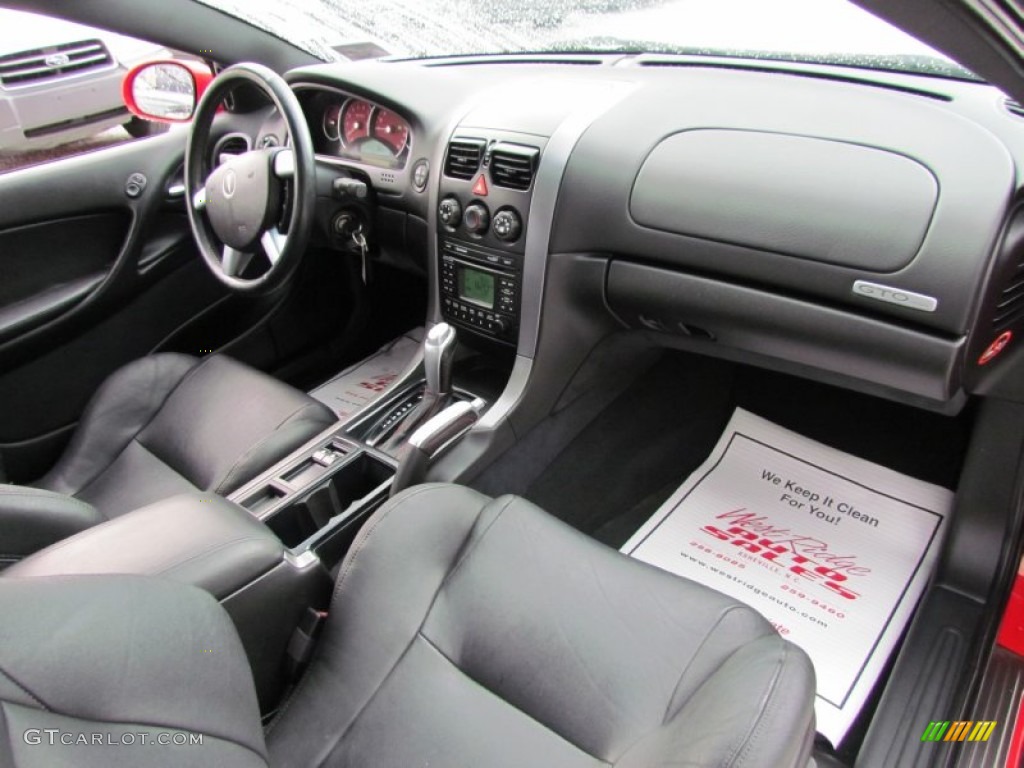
(513, 166)
(1010, 303)
(463, 158)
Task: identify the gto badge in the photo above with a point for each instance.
(230, 182)
(898, 296)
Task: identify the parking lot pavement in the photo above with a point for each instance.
(11, 160)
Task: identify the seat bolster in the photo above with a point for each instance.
(755, 711)
(111, 653)
(301, 426)
(120, 409)
(227, 423)
(31, 519)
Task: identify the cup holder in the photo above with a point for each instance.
(351, 483)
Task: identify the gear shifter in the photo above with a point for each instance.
(438, 356)
(438, 353)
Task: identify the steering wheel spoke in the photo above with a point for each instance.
(234, 261)
(273, 243)
(199, 199)
(284, 164)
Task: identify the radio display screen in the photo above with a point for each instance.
(476, 286)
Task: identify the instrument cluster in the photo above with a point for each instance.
(355, 129)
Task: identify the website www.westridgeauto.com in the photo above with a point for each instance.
(57, 737)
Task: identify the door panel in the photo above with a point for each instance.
(90, 278)
(42, 396)
(48, 268)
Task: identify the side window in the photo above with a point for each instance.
(60, 88)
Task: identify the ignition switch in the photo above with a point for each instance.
(350, 229)
(345, 225)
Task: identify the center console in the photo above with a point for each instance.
(485, 194)
(316, 500)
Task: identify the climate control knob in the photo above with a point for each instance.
(476, 219)
(450, 212)
(507, 225)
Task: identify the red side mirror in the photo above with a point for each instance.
(166, 91)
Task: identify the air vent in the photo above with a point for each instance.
(1010, 304)
(513, 166)
(463, 158)
(1014, 107)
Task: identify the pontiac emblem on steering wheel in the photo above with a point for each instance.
(230, 180)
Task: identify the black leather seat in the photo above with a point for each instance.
(463, 631)
(162, 425)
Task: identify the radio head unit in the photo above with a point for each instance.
(480, 289)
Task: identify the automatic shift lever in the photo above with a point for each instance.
(438, 356)
(438, 353)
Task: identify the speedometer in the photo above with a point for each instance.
(355, 121)
(390, 129)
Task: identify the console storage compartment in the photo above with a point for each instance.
(344, 490)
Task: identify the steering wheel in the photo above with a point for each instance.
(239, 206)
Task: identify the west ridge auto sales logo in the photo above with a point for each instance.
(805, 556)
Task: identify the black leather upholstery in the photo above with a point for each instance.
(198, 539)
(472, 632)
(464, 631)
(120, 656)
(169, 423)
(31, 518)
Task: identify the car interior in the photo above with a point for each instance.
(547, 281)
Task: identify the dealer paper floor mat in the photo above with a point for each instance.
(358, 386)
(833, 550)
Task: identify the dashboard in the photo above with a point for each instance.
(857, 227)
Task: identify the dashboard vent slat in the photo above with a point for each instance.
(513, 166)
(463, 158)
(1010, 302)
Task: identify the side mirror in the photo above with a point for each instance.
(165, 91)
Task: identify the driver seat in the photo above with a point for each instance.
(162, 425)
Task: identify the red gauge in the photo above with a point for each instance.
(355, 121)
(390, 129)
(332, 116)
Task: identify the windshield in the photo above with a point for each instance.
(823, 31)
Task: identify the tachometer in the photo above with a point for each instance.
(390, 129)
(331, 117)
(355, 121)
